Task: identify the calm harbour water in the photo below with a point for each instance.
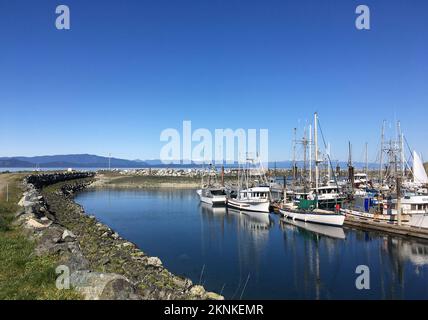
(260, 258)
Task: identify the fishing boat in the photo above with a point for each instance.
(212, 196)
(211, 192)
(397, 201)
(308, 210)
(251, 199)
(253, 191)
(361, 180)
(320, 229)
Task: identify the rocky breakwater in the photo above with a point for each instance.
(101, 264)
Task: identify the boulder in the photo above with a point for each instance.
(213, 296)
(68, 236)
(33, 224)
(154, 261)
(103, 286)
(197, 290)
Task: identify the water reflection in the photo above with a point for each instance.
(329, 231)
(259, 256)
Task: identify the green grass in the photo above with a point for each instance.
(23, 275)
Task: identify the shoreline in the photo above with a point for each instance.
(102, 264)
(111, 180)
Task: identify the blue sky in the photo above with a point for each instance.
(129, 69)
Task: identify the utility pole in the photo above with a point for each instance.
(109, 162)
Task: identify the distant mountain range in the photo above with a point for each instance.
(94, 161)
(68, 161)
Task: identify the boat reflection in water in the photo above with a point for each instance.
(258, 256)
(403, 250)
(324, 230)
(256, 225)
(252, 220)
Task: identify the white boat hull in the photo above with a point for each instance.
(313, 217)
(215, 200)
(248, 205)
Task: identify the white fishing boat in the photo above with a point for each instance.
(318, 216)
(211, 192)
(253, 191)
(361, 180)
(251, 199)
(212, 196)
(308, 210)
(413, 206)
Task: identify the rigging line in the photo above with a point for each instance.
(245, 286)
(408, 146)
(328, 156)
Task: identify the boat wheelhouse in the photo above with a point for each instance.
(252, 199)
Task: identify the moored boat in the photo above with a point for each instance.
(210, 192)
(306, 211)
(251, 199)
(212, 196)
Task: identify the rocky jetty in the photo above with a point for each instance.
(101, 264)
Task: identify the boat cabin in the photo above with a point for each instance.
(255, 193)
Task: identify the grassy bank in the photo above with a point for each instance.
(23, 275)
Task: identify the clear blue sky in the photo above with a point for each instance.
(129, 69)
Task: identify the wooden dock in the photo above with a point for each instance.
(386, 227)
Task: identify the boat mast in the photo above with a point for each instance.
(350, 167)
(316, 153)
(381, 152)
(398, 190)
(367, 161)
(400, 141)
(305, 145)
(294, 159)
(310, 155)
(328, 165)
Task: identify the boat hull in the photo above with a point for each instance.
(213, 200)
(255, 206)
(319, 218)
